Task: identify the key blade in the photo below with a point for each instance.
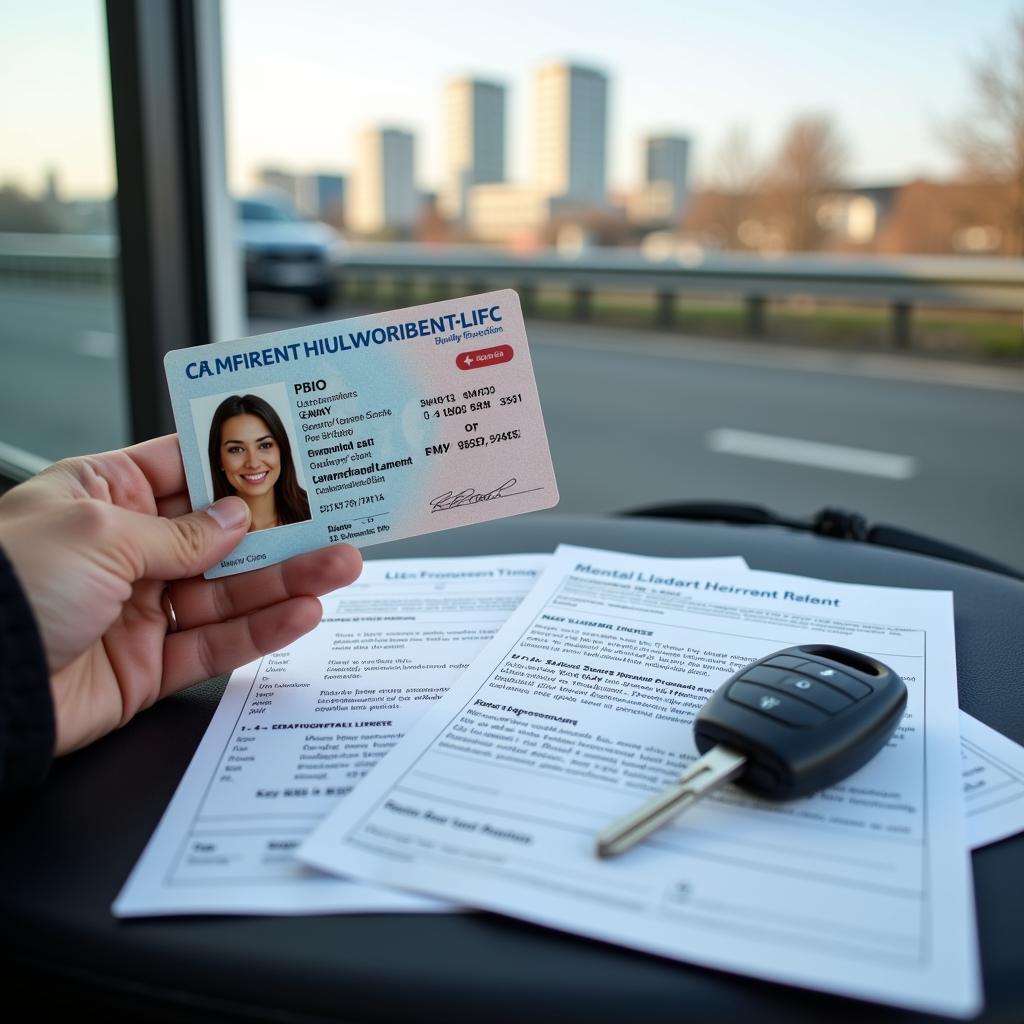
(717, 767)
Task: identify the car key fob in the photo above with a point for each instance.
(803, 718)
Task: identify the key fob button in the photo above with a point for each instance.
(775, 704)
(785, 661)
(809, 690)
(765, 674)
(840, 680)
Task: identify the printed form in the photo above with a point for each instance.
(993, 773)
(581, 708)
(297, 729)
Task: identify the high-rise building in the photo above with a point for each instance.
(51, 190)
(661, 198)
(667, 159)
(572, 133)
(383, 193)
(323, 195)
(475, 143)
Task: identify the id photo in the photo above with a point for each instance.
(251, 454)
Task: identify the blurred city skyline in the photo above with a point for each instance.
(302, 81)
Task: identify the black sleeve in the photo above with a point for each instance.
(27, 729)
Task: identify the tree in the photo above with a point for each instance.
(809, 164)
(735, 179)
(736, 167)
(989, 140)
(19, 212)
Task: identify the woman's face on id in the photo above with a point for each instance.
(249, 455)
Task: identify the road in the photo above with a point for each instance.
(635, 418)
(629, 428)
(61, 389)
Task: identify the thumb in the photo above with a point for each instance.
(170, 549)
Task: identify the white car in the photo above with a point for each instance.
(285, 253)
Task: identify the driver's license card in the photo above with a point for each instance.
(365, 430)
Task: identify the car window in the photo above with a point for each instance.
(63, 390)
(254, 211)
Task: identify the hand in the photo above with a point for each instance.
(94, 540)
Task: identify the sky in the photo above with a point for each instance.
(302, 78)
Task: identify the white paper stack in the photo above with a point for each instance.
(576, 706)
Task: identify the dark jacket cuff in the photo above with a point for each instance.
(27, 727)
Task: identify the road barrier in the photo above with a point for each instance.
(900, 283)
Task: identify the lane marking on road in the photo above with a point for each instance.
(99, 344)
(726, 441)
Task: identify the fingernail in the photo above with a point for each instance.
(229, 513)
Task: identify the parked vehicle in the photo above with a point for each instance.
(286, 253)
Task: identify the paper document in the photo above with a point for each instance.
(581, 708)
(297, 729)
(993, 774)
